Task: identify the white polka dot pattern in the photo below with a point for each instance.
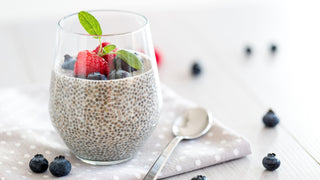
(198, 162)
(217, 158)
(236, 152)
(178, 168)
(20, 142)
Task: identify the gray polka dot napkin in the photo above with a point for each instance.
(25, 130)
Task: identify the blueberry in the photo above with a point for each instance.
(118, 74)
(81, 77)
(38, 164)
(60, 166)
(196, 69)
(67, 57)
(273, 48)
(118, 63)
(270, 162)
(97, 76)
(248, 50)
(199, 177)
(69, 62)
(270, 119)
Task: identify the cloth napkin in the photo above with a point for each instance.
(26, 130)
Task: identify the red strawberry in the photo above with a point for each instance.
(89, 62)
(109, 57)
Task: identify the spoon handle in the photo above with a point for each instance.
(162, 159)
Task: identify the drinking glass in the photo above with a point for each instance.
(105, 116)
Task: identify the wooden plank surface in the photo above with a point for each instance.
(232, 85)
(234, 106)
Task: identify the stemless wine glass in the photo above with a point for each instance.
(104, 116)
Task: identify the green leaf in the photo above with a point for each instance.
(90, 23)
(130, 58)
(109, 48)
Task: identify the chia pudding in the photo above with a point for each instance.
(104, 120)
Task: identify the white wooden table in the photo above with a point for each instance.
(238, 89)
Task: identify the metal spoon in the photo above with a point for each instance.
(193, 124)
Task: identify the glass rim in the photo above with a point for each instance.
(140, 28)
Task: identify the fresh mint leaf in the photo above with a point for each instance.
(130, 58)
(109, 48)
(90, 23)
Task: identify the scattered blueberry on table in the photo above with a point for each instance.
(38, 164)
(248, 50)
(270, 162)
(270, 119)
(273, 48)
(199, 177)
(60, 166)
(196, 69)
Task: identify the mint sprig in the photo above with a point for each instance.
(129, 58)
(92, 26)
(109, 48)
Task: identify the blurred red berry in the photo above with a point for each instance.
(158, 56)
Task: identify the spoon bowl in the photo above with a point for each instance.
(194, 123)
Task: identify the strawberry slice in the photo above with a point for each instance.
(89, 62)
